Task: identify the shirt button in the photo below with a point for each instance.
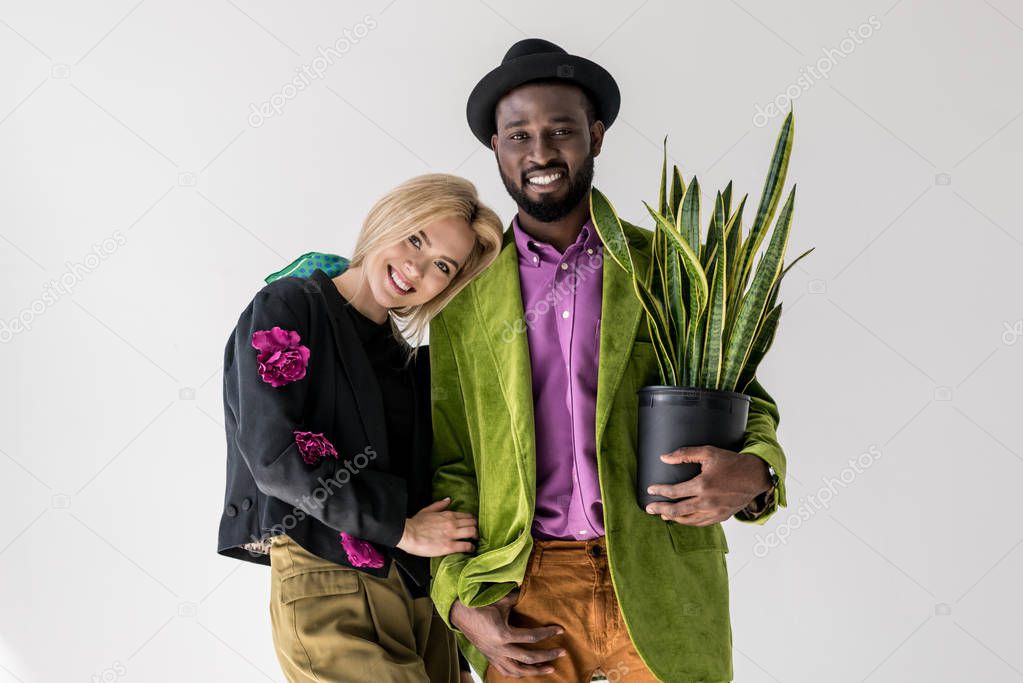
(564, 314)
(582, 532)
(589, 251)
(535, 259)
(564, 266)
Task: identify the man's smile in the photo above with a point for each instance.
(546, 181)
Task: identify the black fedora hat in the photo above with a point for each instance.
(535, 59)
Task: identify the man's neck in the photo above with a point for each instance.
(561, 233)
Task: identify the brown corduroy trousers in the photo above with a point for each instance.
(568, 583)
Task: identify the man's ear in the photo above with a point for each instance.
(596, 137)
(493, 142)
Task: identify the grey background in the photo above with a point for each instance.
(900, 346)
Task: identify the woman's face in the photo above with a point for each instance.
(420, 267)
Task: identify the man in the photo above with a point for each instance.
(535, 368)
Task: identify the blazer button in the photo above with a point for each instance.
(230, 511)
(246, 503)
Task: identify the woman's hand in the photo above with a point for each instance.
(436, 531)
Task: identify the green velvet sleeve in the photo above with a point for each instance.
(761, 439)
(453, 466)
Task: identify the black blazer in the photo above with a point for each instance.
(270, 489)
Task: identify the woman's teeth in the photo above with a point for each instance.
(545, 179)
(401, 284)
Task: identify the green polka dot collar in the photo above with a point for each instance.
(304, 266)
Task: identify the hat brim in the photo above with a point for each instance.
(580, 71)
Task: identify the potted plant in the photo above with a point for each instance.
(711, 314)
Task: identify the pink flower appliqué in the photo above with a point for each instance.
(314, 447)
(361, 553)
(281, 358)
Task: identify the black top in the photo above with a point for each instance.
(387, 357)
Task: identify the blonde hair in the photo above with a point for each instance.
(403, 212)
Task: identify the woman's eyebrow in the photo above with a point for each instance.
(426, 239)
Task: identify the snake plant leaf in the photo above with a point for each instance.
(733, 239)
(797, 260)
(609, 227)
(687, 222)
(674, 302)
(732, 226)
(773, 186)
(714, 233)
(695, 277)
(720, 213)
(658, 246)
(658, 249)
(697, 331)
(711, 259)
(655, 273)
(656, 260)
(664, 368)
(713, 348)
(662, 200)
(678, 190)
(710, 375)
(751, 308)
(777, 283)
(726, 195)
(657, 323)
(762, 343)
(658, 280)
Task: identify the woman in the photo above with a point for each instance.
(328, 435)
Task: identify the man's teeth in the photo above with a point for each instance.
(545, 179)
(401, 285)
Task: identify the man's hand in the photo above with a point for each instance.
(727, 482)
(487, 628)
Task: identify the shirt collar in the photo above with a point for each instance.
(533, 252)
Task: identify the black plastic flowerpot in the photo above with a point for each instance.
(672, 417)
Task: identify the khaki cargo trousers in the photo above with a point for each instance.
(333, 624)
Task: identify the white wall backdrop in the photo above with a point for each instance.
(144, 196)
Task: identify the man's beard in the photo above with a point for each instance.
(550, 210)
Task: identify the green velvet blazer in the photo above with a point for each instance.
(671, 580)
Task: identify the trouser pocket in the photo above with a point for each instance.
(333, 624)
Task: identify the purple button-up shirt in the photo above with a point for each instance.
(561, 297)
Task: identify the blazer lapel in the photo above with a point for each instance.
(620, 317)
(501, 319)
